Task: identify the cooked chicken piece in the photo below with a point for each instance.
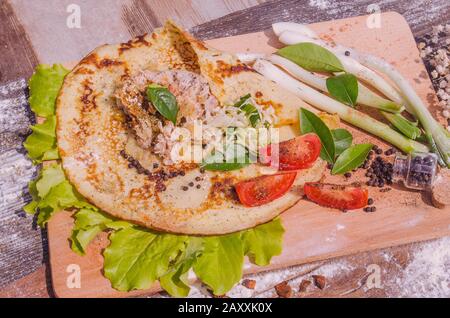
(190, 89)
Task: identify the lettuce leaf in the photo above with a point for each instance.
(41, 144)
(60, 197)
(52, 192)
(263, 242)
(88, 223)
(175, 281)
(220, 264)
(44, 88)
(136, 257)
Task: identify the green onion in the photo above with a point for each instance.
(332, 106)
(407, 128)
(365, 95)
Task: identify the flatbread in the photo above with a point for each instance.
(92, 132)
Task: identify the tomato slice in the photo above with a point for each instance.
(298, 153)
(336, 196)
(264, 189)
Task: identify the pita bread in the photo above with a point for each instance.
(92, 131)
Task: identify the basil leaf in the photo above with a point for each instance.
(342, 140)
(250, 110)
(343, 88)
(309, 122)
(312, 57)
(351, 158)
(164, 102)
(235, 157)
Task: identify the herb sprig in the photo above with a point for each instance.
(337, 146)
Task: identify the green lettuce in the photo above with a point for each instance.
(88, 223)
(51, 192)
(263, 242)
(175, 281)
(138, 257)
(41, 144)
(44, 88)
(220, 264)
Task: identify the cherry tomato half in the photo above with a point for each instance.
(298, 153)
(264, 189)
(336, 196)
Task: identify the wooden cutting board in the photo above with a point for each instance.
(312, 232)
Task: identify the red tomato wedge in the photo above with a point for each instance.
(297, 153)
(336, 196)
(264, 189)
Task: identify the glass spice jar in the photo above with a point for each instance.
(416, 171)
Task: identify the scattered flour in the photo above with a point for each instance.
(428, 273)
(320, 4)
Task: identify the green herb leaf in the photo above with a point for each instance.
(263, 242)
(344, 88)
(44, 88)
(351, 158)
(137, 257)
(41, 144)
(164, 102)
(342, 140)
(220, 264)
(235, 157)
(312, 57)
(309, 122)
(250, 110)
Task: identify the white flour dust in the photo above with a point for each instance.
(428, 273)
(320, 4)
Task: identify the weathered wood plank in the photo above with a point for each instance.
(18, 57)
(35, 285)
(420, 14)
(104, 21)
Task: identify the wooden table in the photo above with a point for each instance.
(33, 32)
